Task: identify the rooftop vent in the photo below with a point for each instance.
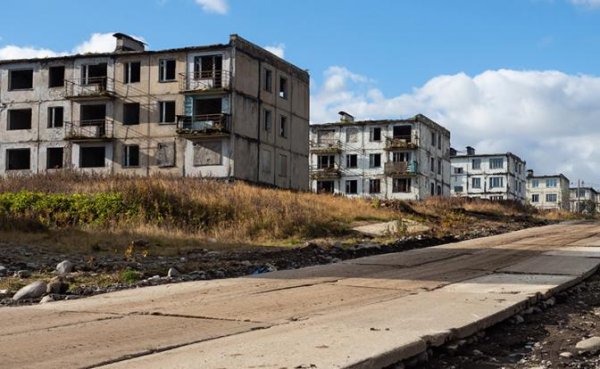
(345, 117)
(470, 150)
(128, 43)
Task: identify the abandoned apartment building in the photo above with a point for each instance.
(584, 199)
(396, 159)
(225, 111)
(548, 192)
(488, 176)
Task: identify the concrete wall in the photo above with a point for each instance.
(542, 186)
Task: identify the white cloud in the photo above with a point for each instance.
(591, 4)
(549, 118)
(19, 52)
(214, 6)
(98, 43)
(278, 50)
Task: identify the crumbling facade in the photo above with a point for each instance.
(584, 200)
(488, 176)
(220, 111)
(391, 159)
(548, 192)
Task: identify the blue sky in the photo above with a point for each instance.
(502, 75)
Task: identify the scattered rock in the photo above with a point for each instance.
(173, 273)
(64, 267)
(566, 354)
(31, 291)
(22, 274)
(588, 345)
(47, 299)
(518, 319)
(57, 285)
(3, 292)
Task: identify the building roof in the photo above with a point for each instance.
(417, 118)
(560, 175)
(507, 154)
(583, 188)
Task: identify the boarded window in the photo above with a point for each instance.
(20, 79)
(54, 157)
(55, 116)
(18, 159)
(19, 119)
(131, 113)
(165, 154)
(56, 76)
(131, 156)
(265, 162)
(207, 153)
(283, 165)
(92, 157)
(131, 73)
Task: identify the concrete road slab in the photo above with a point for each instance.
(581, 251)
(88, 344)
(409, 258)
(593, 241)
(32, 318)
(548, 264)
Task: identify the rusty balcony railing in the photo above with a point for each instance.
(89, 129)
(400, 168)
(326, 147)
(204, 80)
(325, 172)
(400, 142)
(89, 88)
(203, 124)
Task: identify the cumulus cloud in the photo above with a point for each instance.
(214, 6)
(549, 118)
(97, 43)
(278, 50)
(590, 4)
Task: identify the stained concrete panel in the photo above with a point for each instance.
(547, 264)
(585, 252)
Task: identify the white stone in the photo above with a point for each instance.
(566, 354)
(591, 344)
(64, 267)
(172, 273)
(31, 291)
(46, 299)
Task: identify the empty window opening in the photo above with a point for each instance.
(92, 114)
(351, 161)
(374, 160)
(439, 166)
(325, 187)
(54, 157)
(131, 156)
(167, 111)
(375, 134)
(326, 161)
(209, 67)
(352, 187)
(207, 153)
(283, 88)
(403, 132)
(18, 159)
(92, 157)
(268, 80)
(131, 73)
(208, 106)
(267, 116)
(92, 74)
(432, 164)
(56, 76)
(20, 79)
(432, 189)
(166, 70)
(19, 119)
(401, 185)
(55, 116)
(374, 185)
(439, 190)
(131, 114)
(283, 126)
(400, 157)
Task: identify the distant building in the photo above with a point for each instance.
(488, 176)
(548, 191)
(584, 200)
(230, 110)
(396, 159)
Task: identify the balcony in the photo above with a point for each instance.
(203, 125)
(400, 168)
(400, 143)
(208, 80)
(93, 88)
(326, 147)
(89, 130)
(329, 172)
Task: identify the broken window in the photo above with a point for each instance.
(439, 190)
(458, 170)
(166, 70)
(496, 163)
(265, 160)
(92, 157)
(402, 132)
(131, 156)
(476, 163)
(351, 161)
(496, 182)
(165, 154)
(375, 134)
(131, 114)
(18, 159)
(439, 142)
(54, 157)
(208, 106)
(283, 88)
(400, 157)
(20, 79)
(476, 182)
(432, 189)
(325, 187)
(207, 153)
(283, 165)
(439, 166)
(283, 126)
(432, 164)
(92, 74)
(56, 76)
(131, 72)
(352, 186)
(268, 80)
(535, 197)
(55, 116)
(351, 134)
(401, 185)
(166, 111)
(325, 161)
(374, 160)
(267, 120)
(19, 119)
(551, 197)
(432, 138)
(209, 67)
(92, 114)
(374, 185)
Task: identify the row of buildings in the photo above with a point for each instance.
(237, 111)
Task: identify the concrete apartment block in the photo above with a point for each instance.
(488, 176)
(548, 191)
(394, 159)
(584, 200)
(194, 111)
